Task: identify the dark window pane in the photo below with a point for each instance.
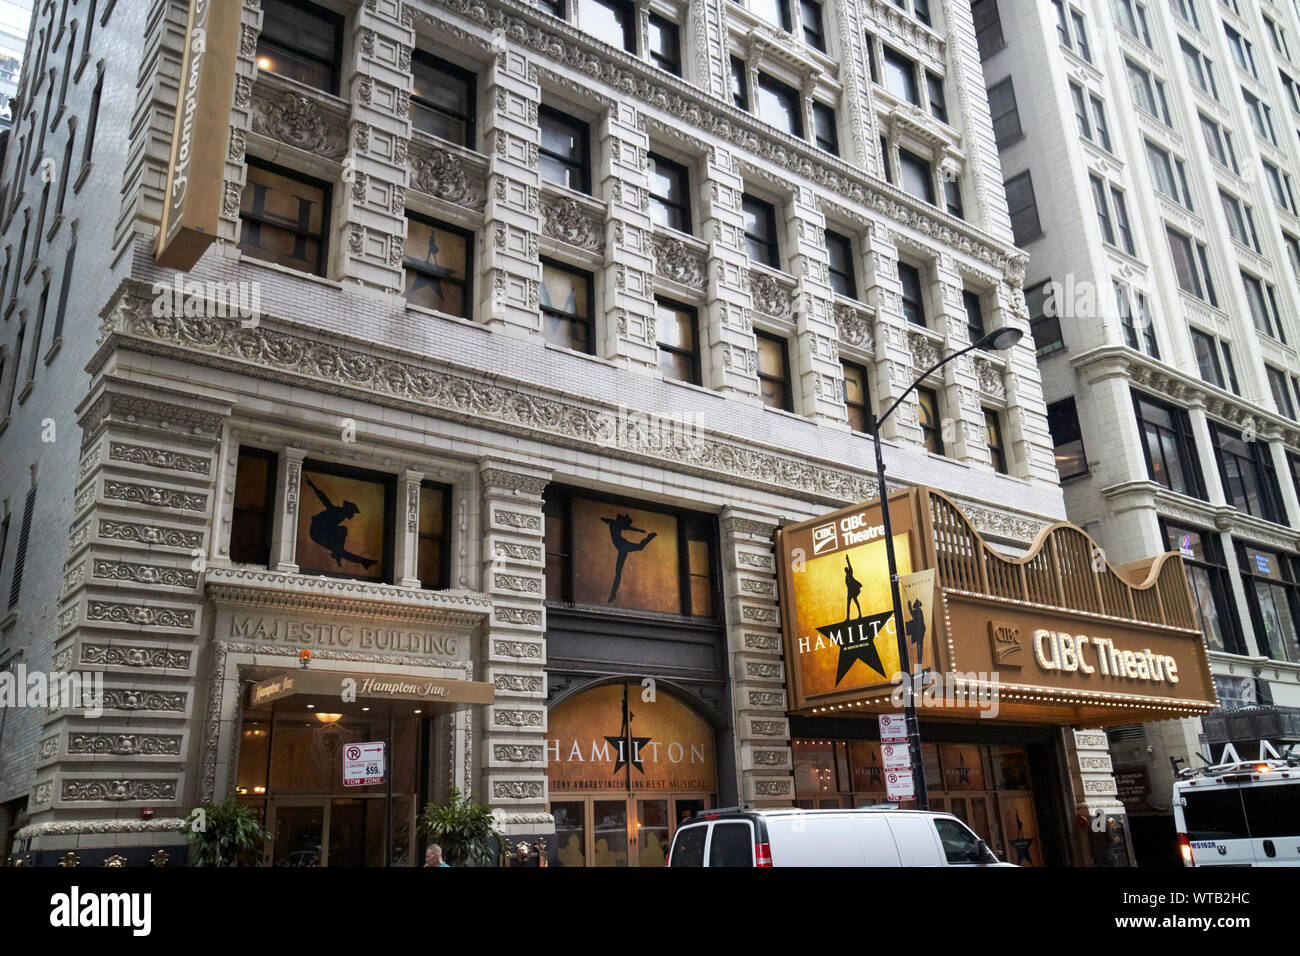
(1067, 438)
(442, 101)
(778, 104)
(436, 258)
(283, 218)
(732, 844)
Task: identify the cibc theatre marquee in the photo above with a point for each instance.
(1059, 635)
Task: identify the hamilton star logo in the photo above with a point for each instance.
(619, 743)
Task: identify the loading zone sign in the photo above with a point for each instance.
(899, 785)
(363, 764)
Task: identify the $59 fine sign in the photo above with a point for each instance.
(363, 764)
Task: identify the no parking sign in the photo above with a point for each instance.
(363, 764)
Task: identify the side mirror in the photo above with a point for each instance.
(979, 852)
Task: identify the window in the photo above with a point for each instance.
(810, 18)
(1273, 594)
(438, 261)
(731, 844)
(566, 299)
(1006, 116)
(1132, 17)
(739, 85)
(1249, 481)
(974, 314)
(1122, 221)
(284, 218)
(993, 438)
(1170, 446)
(916, 176)
(825, 135)
(1292, 244)
(761, 243)
(95, 98)
(1199, 68)
(301, 41)
(775, 12)
(1278, 36)
(1103, 213)
(254, 508)
(564, 157)
(664, 44)
(1080, 34)
(988, 27)
(67, 165)
(774, 371)
(443, 99)
(960, 845)
(1130, 326)
(1099, 116)
(952, 193)
(1279, 187)
(611, 21)
(13, 379)
(20, 552)
(900, 76)
(1148, 92)
(345, 525)
(41, 308)
(1186, 11)
(909, 278)
(1169, 175)
(1261, 117)
(778, 104)
(1230, 368)
(934, 89)
(1044, 317)
(931, 422)
(65, 286)
(1281, 390)
(885, 163)
(1191, 266)
(1023, 208)
(1262, 297)
(433, 537)
(921, 10)
(1067, 439)
(1242, 51)
(1080, 111)
(857, 397)
(1207, 575)
(1207, 357)
(1219, 142)
(677, 326)
(670, 193)
(839, 252)
(1241, 221)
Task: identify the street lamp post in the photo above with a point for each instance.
(997, 340)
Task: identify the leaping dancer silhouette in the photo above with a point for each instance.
(617, 526)
(853, 586)
(327, 528)
(916, 627)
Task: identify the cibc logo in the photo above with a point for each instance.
(825, 538)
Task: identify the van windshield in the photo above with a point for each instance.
(1215, 815)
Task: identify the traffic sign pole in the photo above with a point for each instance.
(388, 794)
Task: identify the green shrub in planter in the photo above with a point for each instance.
(225, 834)
(464, 830)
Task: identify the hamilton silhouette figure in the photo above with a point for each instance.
(852, 587)
(327, 529)
(617, 526)
(433, 278)
(915, 628)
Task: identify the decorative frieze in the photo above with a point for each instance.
(564, 218)
(445, 175)
(296, 119)
(525, 650)
(518, 789)
(129, 699)
(124, 745)
(88, 790)
(517, 753)
(121, 655)
(518, 615)
(142, 615)
(150, 534)
(518, 718)
(519, 683)
(155, 458)
(144, 574)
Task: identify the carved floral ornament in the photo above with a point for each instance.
(333, 364)
(674, 260)
(442, 174)
(296, 119)
(770, 296)
(567, 220)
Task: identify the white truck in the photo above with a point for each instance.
(1240, 813)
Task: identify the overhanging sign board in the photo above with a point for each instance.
(836, 607)
(196, 171)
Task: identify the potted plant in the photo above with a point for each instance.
(464, 830)
(225, 834)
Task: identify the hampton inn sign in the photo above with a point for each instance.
(1063, 638)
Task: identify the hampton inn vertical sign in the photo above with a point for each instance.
(196, 171)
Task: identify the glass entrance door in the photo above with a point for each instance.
(298, 832)
(620, 830)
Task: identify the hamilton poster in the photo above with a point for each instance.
(836, 603)
(625, 557)
(341, 524)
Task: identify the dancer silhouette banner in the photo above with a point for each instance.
(341, 526)
(625, 557)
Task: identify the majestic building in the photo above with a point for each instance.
(504, 338)
(1149, 151)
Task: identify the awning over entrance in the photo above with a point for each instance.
(335, 688)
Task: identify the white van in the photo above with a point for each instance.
(871, 836)
(1241, 814)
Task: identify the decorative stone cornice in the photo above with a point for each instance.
(54, 828)
(283, 351)
(275, 590)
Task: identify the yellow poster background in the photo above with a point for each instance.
(365, 537)
(678, 754)
(819, 594)
(650, 579)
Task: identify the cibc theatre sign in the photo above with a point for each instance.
(1060, 634)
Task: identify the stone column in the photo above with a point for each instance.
(241, 122)
(284, 527)
(704, 47)
(893, 353)
(732, 354)
(628, 281)
(757, 668)
(371, 207)
(408, 520)
(512, 217)
(816, 371)
(1092, 782)
(512, 737)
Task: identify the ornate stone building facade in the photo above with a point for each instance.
(507, 260)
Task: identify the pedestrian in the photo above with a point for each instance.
(433, 856)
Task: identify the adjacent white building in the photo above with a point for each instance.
(1149, 152)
